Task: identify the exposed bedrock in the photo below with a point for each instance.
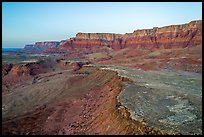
(184, 35)
(87, 106)
(173, 36)
(32, 68)
(41, 46)
(6, 68)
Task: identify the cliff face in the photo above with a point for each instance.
(173, 36)
(98, 39)
(165, 37)
(41, 46)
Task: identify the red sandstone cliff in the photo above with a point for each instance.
(168, 37)
(173, 36)
(184, 35)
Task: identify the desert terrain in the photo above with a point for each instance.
(148, 82)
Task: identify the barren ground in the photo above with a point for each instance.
(155, 92)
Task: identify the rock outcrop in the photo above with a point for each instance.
(167, 37)
(20, 70)
(88, 40)
(46, 45)
(6, 68)
(173, 36)
(29, 47)
(41, 46)
(77, 65)
(184, 35)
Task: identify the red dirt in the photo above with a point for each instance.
(188, 59)
(92, 111)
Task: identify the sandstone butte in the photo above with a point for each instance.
(173, 36)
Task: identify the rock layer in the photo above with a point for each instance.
(173, 36)
(189, 34)
(41, 46)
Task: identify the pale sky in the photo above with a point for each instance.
(28, 22)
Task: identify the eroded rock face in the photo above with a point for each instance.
(23, 73)
(165, 37)
(29, 47)
(41, 46)
(97, 39)
(25, 69)
(77, 65)
(47, 44)
(20, 70)
(6, 68)
(173, 36)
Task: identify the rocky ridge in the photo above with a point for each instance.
(189, 34)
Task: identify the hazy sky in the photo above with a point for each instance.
(28, 22)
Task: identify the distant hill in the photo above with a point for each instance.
(5, 50)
